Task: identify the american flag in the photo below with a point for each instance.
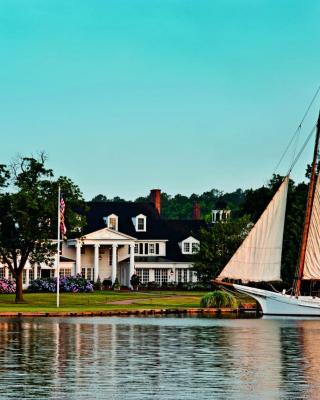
(63, 228)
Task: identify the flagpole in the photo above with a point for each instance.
(58, 249)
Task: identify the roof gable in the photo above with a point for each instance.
(108, 234)
(190, 239)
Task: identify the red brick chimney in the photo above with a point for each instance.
(155, 198)
(196, 211)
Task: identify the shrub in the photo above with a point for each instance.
(72, 284)
(43, 285)
(218, 299)
(135, 281)
(7, 286)
(107, 283)
(116, 285)
(153, 285)
(98, 285)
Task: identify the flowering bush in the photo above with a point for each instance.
(72, 284)
(7, 286)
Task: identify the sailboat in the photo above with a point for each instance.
(258, 259)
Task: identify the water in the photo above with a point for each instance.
(159, 358)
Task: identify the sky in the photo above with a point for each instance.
(183, 95)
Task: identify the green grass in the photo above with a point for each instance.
(100, 301)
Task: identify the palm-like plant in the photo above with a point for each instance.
(219, 299)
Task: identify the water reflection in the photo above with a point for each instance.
(159, 358)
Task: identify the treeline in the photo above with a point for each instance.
(246, 205)
(181, 206)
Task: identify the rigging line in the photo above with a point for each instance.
(302, 149)
(297, 131)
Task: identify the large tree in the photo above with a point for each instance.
(28, 214)
(218, 243)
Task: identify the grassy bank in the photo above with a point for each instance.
(101, 301)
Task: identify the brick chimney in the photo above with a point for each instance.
(196, 215)
(155, 198)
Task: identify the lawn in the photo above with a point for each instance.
(101, 301)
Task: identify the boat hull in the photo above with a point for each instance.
(273, 303)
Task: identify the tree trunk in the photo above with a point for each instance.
(19, 291)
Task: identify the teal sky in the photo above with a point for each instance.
(185, 95)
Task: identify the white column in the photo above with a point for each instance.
(35, 271)
(114, 263)
(131, 265)
(151, 275)
(6, 272)
(78, 258)
(96, 261)
(214, 216)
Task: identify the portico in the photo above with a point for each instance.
(100, 252)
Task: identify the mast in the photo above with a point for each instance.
(298, 278)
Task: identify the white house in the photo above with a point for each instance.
(123, 238)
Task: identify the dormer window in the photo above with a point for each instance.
(141, 223)
(112, 222)
(190, 245)
(186, 247)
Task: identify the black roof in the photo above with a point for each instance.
(125, 212)
(174, 231)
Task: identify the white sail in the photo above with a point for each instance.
(312, 259)
(259, 256)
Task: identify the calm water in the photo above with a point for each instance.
(160, 358)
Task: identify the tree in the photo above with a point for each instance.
(28, 215)
(218, 243)
(101, 198)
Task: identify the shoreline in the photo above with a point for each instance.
(127, 313)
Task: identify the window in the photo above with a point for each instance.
(2, 273)
(151, 248)
(185, 275)
(140, 248)
(146, 248)
(31, 274)
(141, 223)
(195, 247)
(179, 275)
(157, 276)
(113, 222)
(145, 275)
(161, 275)
(90, 274)
(64, 272)
(186, 247)
(157, 248)
(136, 248)
(24, 277)
(87, 273)
(190, 275)
(164, 275)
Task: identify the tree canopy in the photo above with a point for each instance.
(28, 214)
